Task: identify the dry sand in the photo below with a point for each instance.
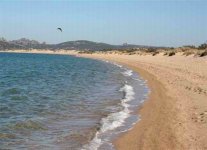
(175, 115)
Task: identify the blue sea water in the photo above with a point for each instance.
(60, 102)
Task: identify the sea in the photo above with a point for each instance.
(62, 102)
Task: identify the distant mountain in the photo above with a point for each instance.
(84, 45)
(89, 45)
(24, 43)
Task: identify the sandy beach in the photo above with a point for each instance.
(175, 115)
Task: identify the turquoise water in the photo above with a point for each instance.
(64, 102)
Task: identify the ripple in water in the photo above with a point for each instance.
(63, 102)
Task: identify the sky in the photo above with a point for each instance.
(143, 22)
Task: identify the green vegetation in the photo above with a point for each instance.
(187, 53)
(190, 46)
(202, 46)
(155, 53)
(86, 52)
(169, 53)
(204, 53)
(151, 49)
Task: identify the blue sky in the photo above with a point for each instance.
(144, 22)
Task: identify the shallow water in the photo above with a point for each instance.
(64, 102)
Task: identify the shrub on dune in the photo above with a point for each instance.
(187, 53)
(204, 53)
(171, 53)
(203, 46)
(155, 53)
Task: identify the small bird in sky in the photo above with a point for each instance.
(60, 29)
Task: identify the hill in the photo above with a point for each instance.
(83, 45)
(24, 43)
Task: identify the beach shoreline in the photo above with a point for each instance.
(174, 116)
(140, 130)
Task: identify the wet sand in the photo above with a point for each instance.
(175, 114)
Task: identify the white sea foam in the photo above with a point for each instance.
(128, 73)
(136, 79)
(117, 119)
(120, 66)
(113, 120)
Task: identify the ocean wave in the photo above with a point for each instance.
(128, 73)
(118, 65)
(113, 120)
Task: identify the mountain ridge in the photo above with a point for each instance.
(25, 43)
